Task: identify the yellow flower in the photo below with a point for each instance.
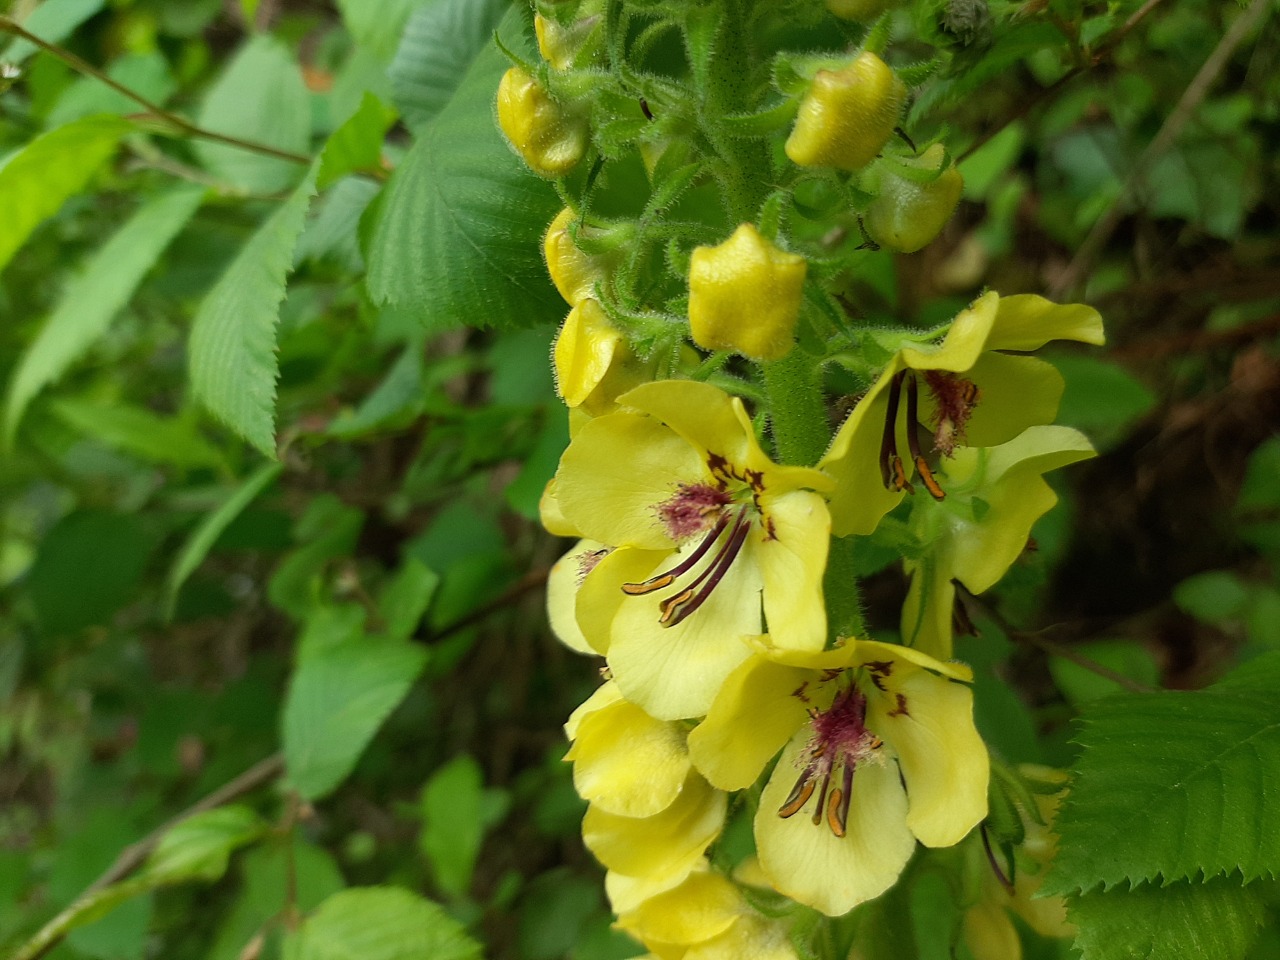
(574, 272)
(745, 295)
(549, 137)
(878, 750)
(847, 115)
(974, 395)
(715, 542)
(593, 363)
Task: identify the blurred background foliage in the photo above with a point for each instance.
(175, 610)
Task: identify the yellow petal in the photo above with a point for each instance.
(704, 905)
(667, 844)
(605, 694)
(809, 863)
(1028, 322)
(989, 934)
(751, 936)
(965, 340)
(705, 416)
(628, 763)
(616, 470)
(552, 516)
(600, 596)
(753, 716)
(627, 893)
(585, 348)
(928, 721)
(926, 613)
(860, 498)
(562, 596)
(674, 672)
(792, 563)
(1014, 393)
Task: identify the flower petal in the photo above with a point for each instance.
(811, 864)
(751, 936)
(674, 672)
(600, 596)
(628, 763)
(552, 516)
(926, 613)
(605, 694)
(792, 563)
(1027, 322)
(754, 714)
(667, 844)
(966, 339)
(563, 584)
(1014, 393)
(627, 893)
(860, 498)
(615, 472)
(705, 416)
(704, 905)
(928, 721)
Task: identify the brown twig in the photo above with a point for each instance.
(530, 581)
(1037, 639)
(1168, 134)
(8, 25)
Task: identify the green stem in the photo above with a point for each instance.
(797, 408)
(840, 587)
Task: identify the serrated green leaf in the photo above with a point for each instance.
(456, 811)
(404, 600)
(440, 41)
(377, 24)
(260, 97)
(1173, 784)
(202, 539)
(397, 398)
(457, 231)
(357, 144)
(138, 431)
(92, 299)
(38, 179)
(380, 923)
(338, 698)
(52, 21)
(232, 354)
(1216, 920)
(332, 231)
(199, 846)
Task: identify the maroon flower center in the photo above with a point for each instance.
(839, 741)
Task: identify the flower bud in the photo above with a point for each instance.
(563, 45)
(573, 271)
(593, 363)
(847, 115)
(549, 138)
(915, 200)
(745, 295)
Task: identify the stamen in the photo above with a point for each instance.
(890, 462)
(799, 794)
(686, 602)
(838, 811)
(913, 441)
(668, 577)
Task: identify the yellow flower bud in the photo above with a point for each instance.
(573, 271)
(562, 45)
(847, 115)
(911, 209)
(593, 363)
(550, 138)
(745, 295)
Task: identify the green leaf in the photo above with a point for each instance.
(38, 179)
(404, 600)
(327, 529)
(379, 923)
(260, 97)
(397, 398)
(138, 431)
(338, 698)
(1214, 596)
(333, 229)
(232, 354)
(146, 74)
(198, 847)
(440, 42)
(202, 539)
(53, 21)
(1125, 657)
(456, 811)
(92, 299)
(457, 231)
(377, 24)
(1100, 397)
(1170, 785)
(357, 144)
(1216, 920)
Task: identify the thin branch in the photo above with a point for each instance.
(529, 582)
(1165, 138)
(1053, 647)
(8, 25)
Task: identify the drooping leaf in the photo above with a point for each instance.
(456, 811)
(232, 353)
(457, 230)
(357, 144)
(1215, 920)
(198, 847)
(338, 698)
(202, 539)
(405, 598)
(440, 42)
(379, 923)
(39, 178)
(332, 228)
(260, 97)
(92, 300)
(1175, 784)
(52, 21)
